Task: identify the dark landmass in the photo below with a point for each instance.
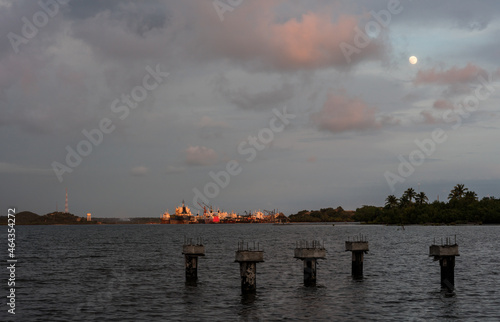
(463, 207)
(54, 218)
(62, 218)
(323, 215)
(145, 220)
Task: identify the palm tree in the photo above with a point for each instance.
(404, 201)
(410, 194)
(470, 196)
(391, 201)
(458, 192)
(421, 198)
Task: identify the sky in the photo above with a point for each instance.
(135, 106)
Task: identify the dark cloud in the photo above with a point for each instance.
(272, 53)
(130, 31)
(465, 15)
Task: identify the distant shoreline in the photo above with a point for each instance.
(274, 224)
(368, 215)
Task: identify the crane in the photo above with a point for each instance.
(204, 209)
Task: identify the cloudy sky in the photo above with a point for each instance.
(134, 106)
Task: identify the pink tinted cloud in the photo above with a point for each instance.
(429, 118)
(255, 34)
(341, 113)
(442, 104)
(453, 75)
(200, 155)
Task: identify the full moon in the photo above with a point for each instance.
(413, 60)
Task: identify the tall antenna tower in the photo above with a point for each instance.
(66, 210)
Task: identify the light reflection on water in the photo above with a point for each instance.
(136, 272)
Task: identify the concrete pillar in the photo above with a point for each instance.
(248, 274)
(310, 271)
(191, 253)
(447, 264)
(358, 249)
(191, 263)
(310, 255)
(446, 256)
(357, 264)
(248, 260)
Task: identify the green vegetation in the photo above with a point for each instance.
(462, 207)
(54, 218)
(323, 215)
(62, 218)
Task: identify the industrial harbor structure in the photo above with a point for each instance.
(183, 215)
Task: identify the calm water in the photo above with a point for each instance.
(136, 273)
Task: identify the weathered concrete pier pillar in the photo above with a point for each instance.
(358, 247)
(191, 252)
(248, 259)
(446, 253)
(309, 254)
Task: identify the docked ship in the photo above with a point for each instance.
(182, 215)
(165, 218)
(207, 217)
(214, 217)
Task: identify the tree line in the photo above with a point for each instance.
(462, 207)
(54, 218)
(323, 215)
